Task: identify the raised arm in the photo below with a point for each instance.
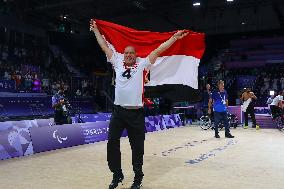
(100, 39)
(164, 46)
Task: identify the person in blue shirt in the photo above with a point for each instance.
(219, 100)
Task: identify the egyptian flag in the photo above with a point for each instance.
(174, 75)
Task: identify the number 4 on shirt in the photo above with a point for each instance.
(126, 74)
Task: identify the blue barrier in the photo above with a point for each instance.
(20, 138)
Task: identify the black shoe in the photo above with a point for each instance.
(136, 185)
(229, 135)
(117, 178)
(217, 136)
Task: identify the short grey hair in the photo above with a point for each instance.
(220, 82)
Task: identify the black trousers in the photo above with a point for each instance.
(133, 120)
(60, 118)
(275, 111)
(221, 117)
(250, 110)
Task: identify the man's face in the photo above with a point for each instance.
(221, 86)
(129, 55)
(208, 87)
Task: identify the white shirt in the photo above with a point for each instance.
(129, 81)
(276, 100)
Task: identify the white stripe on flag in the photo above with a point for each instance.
(175, 69)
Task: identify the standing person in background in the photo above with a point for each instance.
(219, 100)
(206, 95)
(248, 99)
(58, 103)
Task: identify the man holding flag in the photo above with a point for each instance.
(128, 109)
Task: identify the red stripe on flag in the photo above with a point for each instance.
(145, 41)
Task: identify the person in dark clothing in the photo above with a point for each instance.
(205, 97)
(58, 103)
(248, 99)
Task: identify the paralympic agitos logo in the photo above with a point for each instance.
(56, 136)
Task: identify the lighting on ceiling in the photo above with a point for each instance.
(196, 4)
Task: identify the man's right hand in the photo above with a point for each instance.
(100, 39)
(93, 26)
